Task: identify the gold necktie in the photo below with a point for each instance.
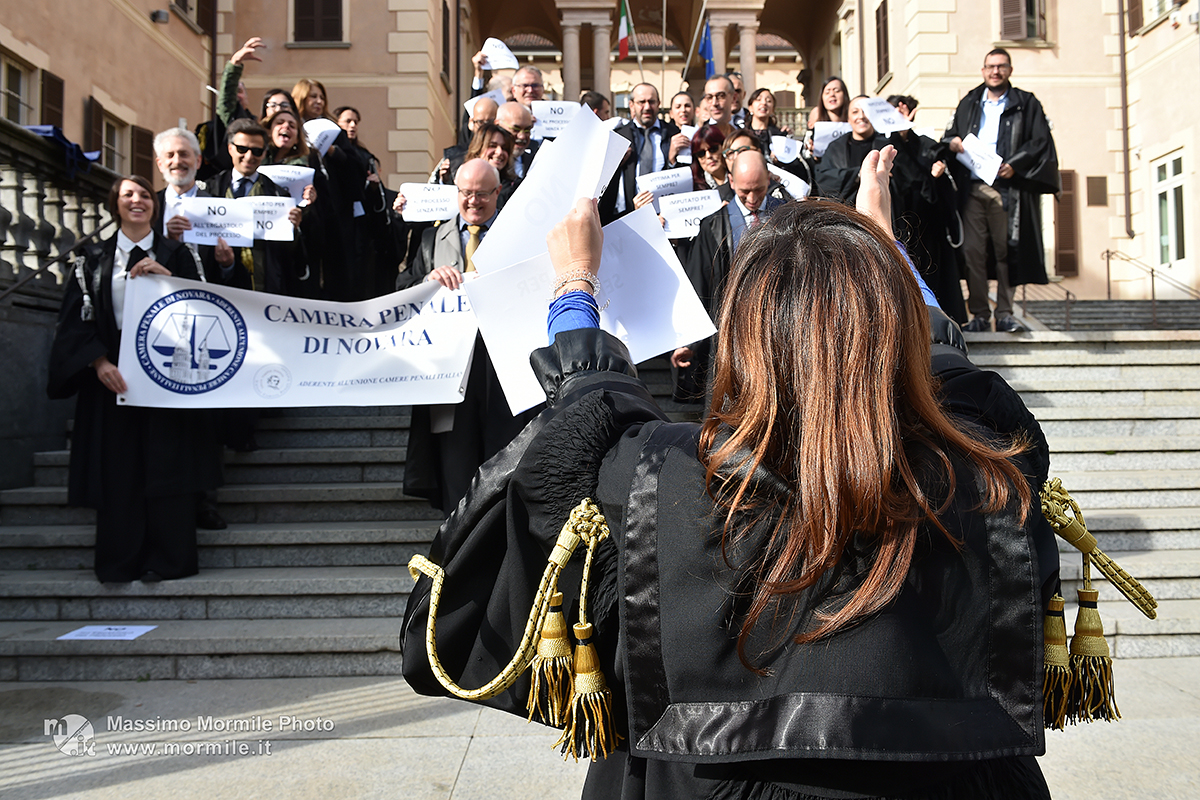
(473, 244)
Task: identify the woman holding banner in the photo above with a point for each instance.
(139, 468)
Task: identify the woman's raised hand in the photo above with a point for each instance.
(874, 178)
(575, 242)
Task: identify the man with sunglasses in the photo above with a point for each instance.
(653, 147)
(1008, 213)
(447, 443)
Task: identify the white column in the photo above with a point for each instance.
(720, 54)
(601, 47)
(571, 82)
(749, 55)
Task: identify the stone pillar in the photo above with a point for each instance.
(570, 69)
(719, 51)
(747, 31)
(601, 48)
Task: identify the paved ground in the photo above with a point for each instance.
(373, 738)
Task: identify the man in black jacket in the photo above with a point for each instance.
(653, 146)
(1007, 213)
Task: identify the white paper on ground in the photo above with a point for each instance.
(294, 179)
(825, 134)
(653, 308)
(980, 158)
(215, 218)
(580, 164)
(496, 55)
(494, 94)
(885, 118)
(271, 221)
(429, 202)
(551, 116)
(785, 148)
(683, 212)
(122, 633)
(684, 156)
(795, 185)
(321, 132)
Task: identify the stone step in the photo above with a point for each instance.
(1088, 354)
(1133, 488)
(233, 593)
(262, 503)
(1104, 453)
(1118, 421)
(1174, 632)
(203, 649)
(1118, 530)
(1167, 575)
(388, 543)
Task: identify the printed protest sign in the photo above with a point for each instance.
(271, 218)
(551, 117)
(668, 181)
(796, 186)
(683, 212)
(885, 118)
(428, 202)
(496, 55)
(215, 218)
(321, 133)
(294, 179)
(980, 158)
(684, 156)
(825, 133)
(785, 148)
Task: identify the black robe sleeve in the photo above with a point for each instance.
(77, 341)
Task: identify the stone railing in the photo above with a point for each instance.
(44, 208)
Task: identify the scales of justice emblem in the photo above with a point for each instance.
(191, 341)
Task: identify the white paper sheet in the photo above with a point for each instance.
(653, 308)
(271, 221)
(294, 179)
(668, 181)
(980, 158)
(429, 202)
(496, 55)
(215, 218)
(785, 148)
(885, 117)
(683, 212)
(684, 156)
(321, 132)
(121, 633)
(494, 94)
(580, 164)
(825, 133)
(795, 185)
(550, 117)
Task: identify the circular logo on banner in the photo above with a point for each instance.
(191, 341)
(272, 381)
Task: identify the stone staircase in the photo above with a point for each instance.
(1121, 411)
(310, 577)
(1107, 315)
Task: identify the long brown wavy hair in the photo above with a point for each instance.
(822, 375)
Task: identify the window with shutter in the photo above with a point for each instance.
(141, 147)
(93, 125)
(1097, 190)
(881, 41)
(445, 39)
(204, 14)
(1066, 226)
(52, 99)
(318, 21)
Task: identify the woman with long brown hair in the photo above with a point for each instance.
(831, 588)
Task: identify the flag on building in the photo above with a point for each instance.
(706, 51)
(623, 32)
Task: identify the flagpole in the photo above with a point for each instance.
(636, 46)
(692, 49)
(662, 76)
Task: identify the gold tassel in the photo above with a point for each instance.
(589, 725)
(1056, 685)
(553, 675)
(1091, 690)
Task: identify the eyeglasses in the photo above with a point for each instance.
(722, 96)
(997, 67)
(733, 151)
(467, 194)
(274, 104)
(527, 85)
(254, 151)
(518, 129)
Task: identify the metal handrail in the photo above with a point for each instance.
(1068, 299)
(1155, 275)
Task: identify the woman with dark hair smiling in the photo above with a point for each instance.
(140, 468)
(708, 165)
(833, 587)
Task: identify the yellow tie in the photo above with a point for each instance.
(473, 244)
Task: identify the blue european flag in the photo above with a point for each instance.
(706, 53)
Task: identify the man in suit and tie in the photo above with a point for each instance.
(654, 145)
(177, 154)
(447, 443)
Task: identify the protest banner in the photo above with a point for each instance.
(215, 218)
(550, 117)
(785, 148)
(321, 132)
(294, 179)
(825, 133)
(188, 344)
(496, 55)
(429, 202)
(652, 306)
(980, 158)
(683, 212)
(271, 221)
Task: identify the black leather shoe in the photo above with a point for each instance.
(208, 519)
(150, 576)
(1010, 325)
(977, 325)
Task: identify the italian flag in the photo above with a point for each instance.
(623, 32)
